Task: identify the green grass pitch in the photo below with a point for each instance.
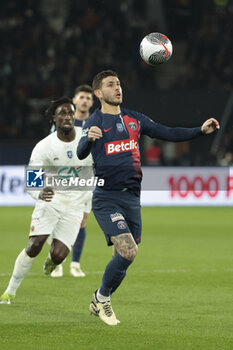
(177, 295)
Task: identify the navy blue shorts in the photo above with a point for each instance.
(118, 212)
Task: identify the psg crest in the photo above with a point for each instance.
(121, 225)
(132, 126)
(70, 154)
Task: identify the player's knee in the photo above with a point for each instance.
(57, 258)
(58, 255)
(34, 246)
(131, 253)
(58, 251)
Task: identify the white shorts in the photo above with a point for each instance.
(62, 223)
(88, 205)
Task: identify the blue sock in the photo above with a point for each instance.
(78, 245)
(116, 285)
(114, 273)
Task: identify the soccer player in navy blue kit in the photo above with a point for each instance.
(83, 100)
(112, 134)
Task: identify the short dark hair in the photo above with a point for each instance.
(97, 81)
(83, 88)
(55, 104)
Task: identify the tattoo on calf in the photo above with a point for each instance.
(125, 245)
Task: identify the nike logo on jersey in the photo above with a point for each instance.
(106, 130)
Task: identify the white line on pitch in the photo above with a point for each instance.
(37, 274)
(191, 270)
(230, 269)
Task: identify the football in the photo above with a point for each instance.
(155, 48)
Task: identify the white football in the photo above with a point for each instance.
(155, 49)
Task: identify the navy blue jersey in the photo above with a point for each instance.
(79, 123)
(116, 155)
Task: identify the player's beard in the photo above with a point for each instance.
(67, 131)
(112, 103)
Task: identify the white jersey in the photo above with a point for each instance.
(51, 151)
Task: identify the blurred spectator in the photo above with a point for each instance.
(227, 160)
(225, 152)
(46, 49)
(182, 157)
(153, 154)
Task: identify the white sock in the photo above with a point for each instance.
(101, 298)
(75, 264)
(23, 265)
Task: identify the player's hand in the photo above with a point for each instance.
(94, 133)
(209, 126)
(47, 194)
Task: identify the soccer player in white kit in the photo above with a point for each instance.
(57, 214)
(83, 101)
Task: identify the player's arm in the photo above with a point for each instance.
(91, 133)
(156, 130)
(38, 159)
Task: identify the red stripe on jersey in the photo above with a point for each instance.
(133, 130)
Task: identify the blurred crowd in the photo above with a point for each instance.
(206, 29)
(46, 54)
(48, 47)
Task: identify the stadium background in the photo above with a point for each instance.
(48, 47)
